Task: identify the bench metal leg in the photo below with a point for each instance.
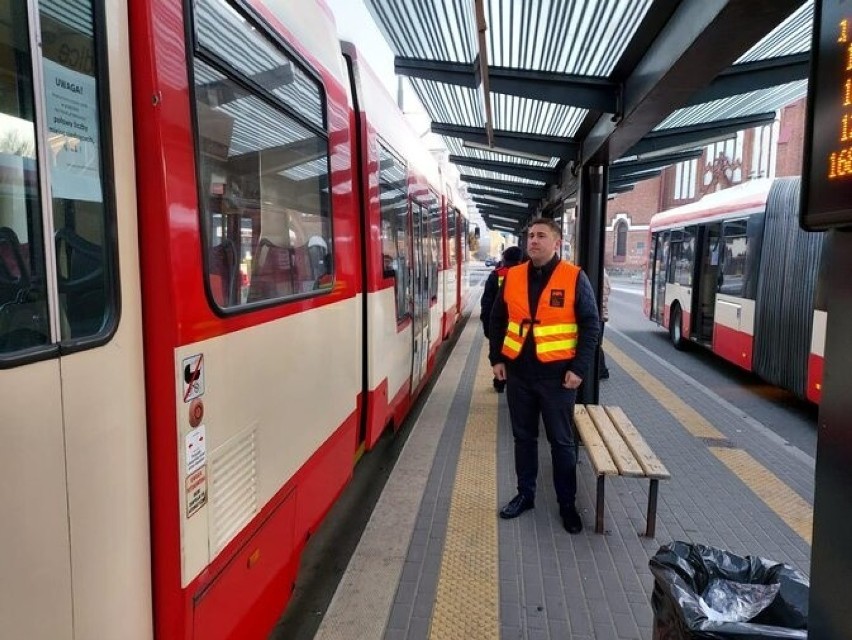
(599, 508)
(651, 524)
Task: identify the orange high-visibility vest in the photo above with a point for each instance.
(554, 328)
(501, 273)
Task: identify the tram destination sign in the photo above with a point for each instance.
(827, 188)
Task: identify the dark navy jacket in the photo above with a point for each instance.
(527, 365)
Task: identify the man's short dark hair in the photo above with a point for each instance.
(512, 256)
(548, 222)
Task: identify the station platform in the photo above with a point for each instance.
(436, 561)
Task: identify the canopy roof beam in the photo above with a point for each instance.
(622, 188)
(585, 92)
(622, 169)
(704, 133)
(550, 146)
(527, 191)
(752, 76)
(699, 42)
(633, 178)
(502, 195)
(519, 208)
(529, 172)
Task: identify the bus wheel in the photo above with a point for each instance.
(676, 328)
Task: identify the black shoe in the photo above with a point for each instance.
(571, 519)
(517, 506)
(604, 374)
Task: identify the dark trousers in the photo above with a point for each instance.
(546, 399)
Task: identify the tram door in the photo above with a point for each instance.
(420, 293)
(73, 466)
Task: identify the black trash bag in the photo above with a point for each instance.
(702, 593)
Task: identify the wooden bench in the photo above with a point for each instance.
(615, 448)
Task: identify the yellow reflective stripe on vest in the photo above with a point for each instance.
(554, 329)
(557, 345)
(515, 328)
(512, 344)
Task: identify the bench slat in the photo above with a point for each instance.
(651, 464)
(595, 448)
(618, 449)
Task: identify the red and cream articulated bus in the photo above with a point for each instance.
(226, 266)
(734, 272)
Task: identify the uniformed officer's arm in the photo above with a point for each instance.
(588, 326)
(498, 322)
(489, 294)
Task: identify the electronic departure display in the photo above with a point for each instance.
(827, 188)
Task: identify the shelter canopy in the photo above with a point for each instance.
(525, 92)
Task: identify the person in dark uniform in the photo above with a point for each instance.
(511, 257)
(543, 330)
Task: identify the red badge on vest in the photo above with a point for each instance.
(557, 298)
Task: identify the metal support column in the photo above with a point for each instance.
(831, 555)
(591, 222)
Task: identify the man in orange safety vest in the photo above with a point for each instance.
(543, 331)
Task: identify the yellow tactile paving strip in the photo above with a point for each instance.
(691, 420)
(796, 512)
(792, 509)
(467, 599)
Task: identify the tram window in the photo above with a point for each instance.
(396, 238)
(435, 232)
(81, 253)
(224, 33)
(452, 216)
(264, 165)
(734, 253)
(464, 239)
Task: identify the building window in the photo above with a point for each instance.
(723, 163)
(620, 240)
(685, 180)
(763, 153)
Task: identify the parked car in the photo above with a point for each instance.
(490, 262)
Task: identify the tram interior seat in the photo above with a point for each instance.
(83, 283)
(274, 272)
(14, 273)
(223, 272)
(23, 313)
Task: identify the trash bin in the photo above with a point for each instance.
(703, 593)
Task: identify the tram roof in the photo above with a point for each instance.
(523, 93)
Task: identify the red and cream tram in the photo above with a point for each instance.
(226, 265)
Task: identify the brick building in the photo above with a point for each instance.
(772, 150)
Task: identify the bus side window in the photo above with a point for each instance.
(734, 251)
